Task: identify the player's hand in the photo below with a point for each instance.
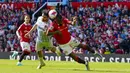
(74, 19)
(27, 35)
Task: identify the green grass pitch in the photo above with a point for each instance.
(9, 66)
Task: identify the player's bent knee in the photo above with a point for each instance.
(53, 49)
(27, 51)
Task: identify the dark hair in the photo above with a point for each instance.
(59, 19)
(45, 12)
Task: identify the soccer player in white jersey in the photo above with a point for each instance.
(42, 39)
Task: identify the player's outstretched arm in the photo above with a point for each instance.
(54, 32)
(71, 22)
(33, 29)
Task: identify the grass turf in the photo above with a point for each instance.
(9, 66)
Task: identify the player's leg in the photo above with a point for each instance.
(25, 51)
(38, 48)
(79, 60)
(67, 49)
(15, 53)
(40, 56)
(54, 49)
(76, 43)
(76, 58)
(86, 47)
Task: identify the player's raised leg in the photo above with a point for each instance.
(67, 49)
(86, 47)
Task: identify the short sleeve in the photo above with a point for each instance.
(20, 28)
(39, 20)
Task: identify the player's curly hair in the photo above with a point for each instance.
(59, 19)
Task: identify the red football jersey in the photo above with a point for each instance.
(65, 35)
(23, 29)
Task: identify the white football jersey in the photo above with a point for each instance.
(41, 28)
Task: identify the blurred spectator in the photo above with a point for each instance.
(10, 20)
(107, 51)
(111, 26)
(119, 51)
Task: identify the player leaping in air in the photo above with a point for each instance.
(42, 39)
(24, 41)
(59, 30)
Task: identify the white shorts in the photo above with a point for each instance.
(67, 48)
(41, 44)
(25, 46)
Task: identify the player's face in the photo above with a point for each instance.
(45, 18)
(27, 19)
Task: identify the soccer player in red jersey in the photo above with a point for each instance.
(24, 41)
(59, 30)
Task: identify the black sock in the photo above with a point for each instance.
(19, 53)
(76, 58)
(80, 60)
(90, 49)
(22, 57)
(86, 47)
(44, 58)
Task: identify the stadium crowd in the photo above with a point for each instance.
(103, 28)
(10, 20)
(99, 0)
